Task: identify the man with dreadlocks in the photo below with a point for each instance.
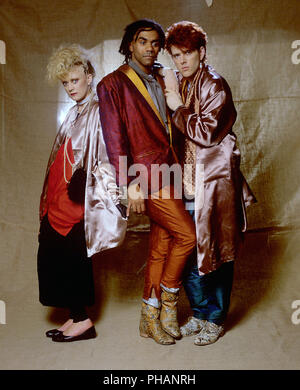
(135, 125)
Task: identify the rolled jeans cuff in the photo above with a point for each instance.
(169, 289)
(152, 302)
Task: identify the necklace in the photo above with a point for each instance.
(66, 156)
(82, 103)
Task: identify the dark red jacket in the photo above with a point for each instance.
(130, 127)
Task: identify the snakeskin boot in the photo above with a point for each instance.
(150, 325)
(209, 334)
(192, 327)
(168, 314)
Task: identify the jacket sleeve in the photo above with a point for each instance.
(98, 165)
(106, 171)
(215, 119)
(113, 128)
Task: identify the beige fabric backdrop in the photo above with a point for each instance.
(250, 44)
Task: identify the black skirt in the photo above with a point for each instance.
(65, 273)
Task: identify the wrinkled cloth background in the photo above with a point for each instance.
(250, 43)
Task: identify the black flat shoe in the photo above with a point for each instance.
(88, 334)
(53, 332)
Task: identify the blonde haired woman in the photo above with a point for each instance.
(80, 209)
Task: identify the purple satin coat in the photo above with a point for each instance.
(221, 219)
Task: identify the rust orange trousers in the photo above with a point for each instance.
(172, 239)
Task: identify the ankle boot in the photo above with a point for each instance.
(150, 325)
(168, 314)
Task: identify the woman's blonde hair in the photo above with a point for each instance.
(64, 59)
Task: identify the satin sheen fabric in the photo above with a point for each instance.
(132, 129)
(220, 219)
(103, 224)
(172, 239)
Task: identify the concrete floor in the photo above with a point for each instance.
(260, 333)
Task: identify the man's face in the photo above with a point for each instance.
(77, 83)
(187, 61)
(145, 48)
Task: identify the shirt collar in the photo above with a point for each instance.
(139, 71)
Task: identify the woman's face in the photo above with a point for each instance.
(77, 83)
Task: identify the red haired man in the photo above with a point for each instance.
(216, 192)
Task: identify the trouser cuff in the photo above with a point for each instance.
(217, 321)
(169, 289)
(152, 302)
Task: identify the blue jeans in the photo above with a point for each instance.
(209, 295)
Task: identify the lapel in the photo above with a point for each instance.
(133, 76)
